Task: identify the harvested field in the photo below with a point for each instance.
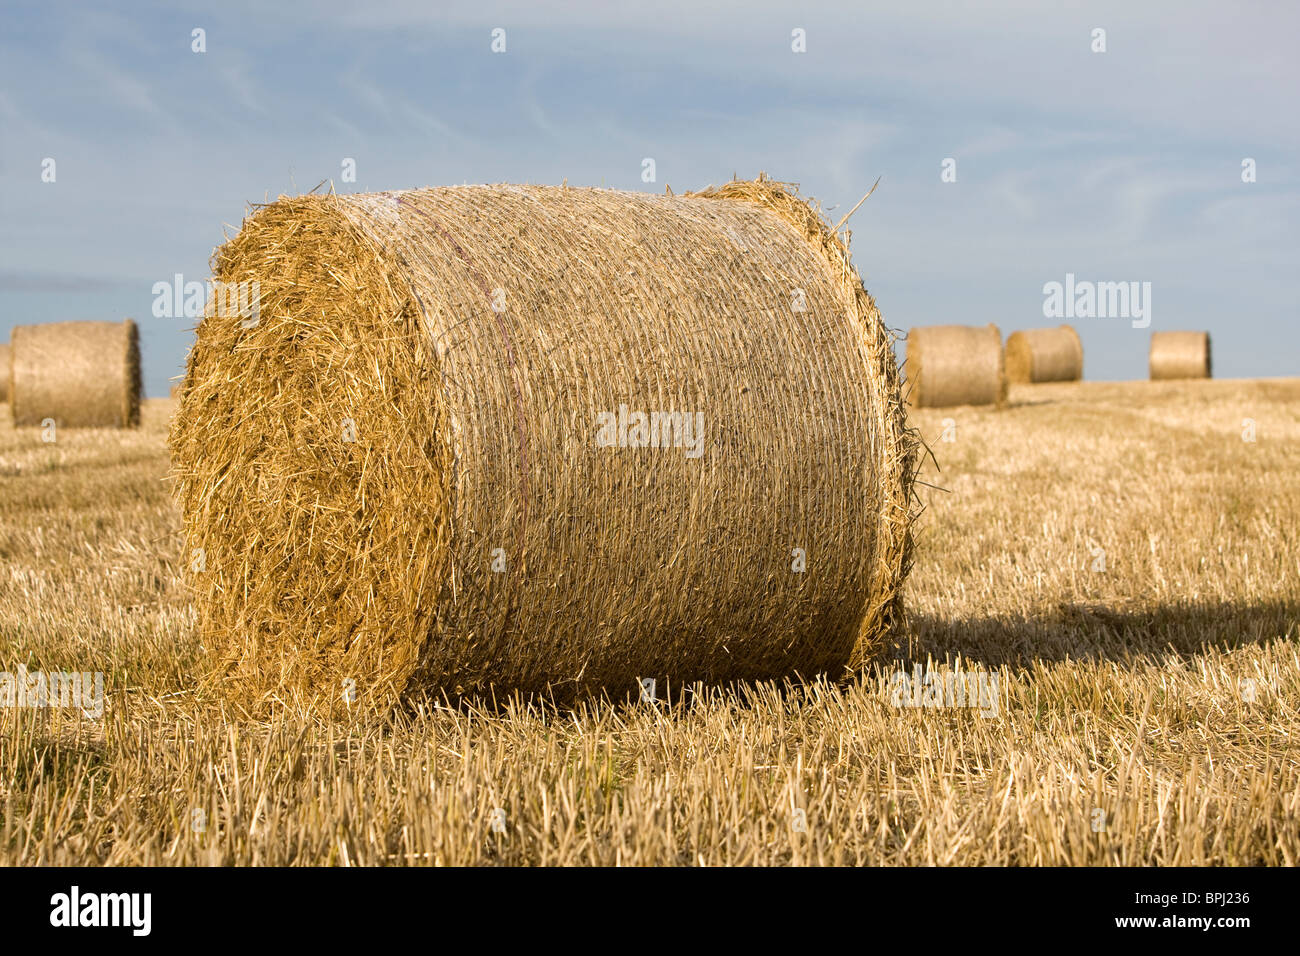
(1116, 554)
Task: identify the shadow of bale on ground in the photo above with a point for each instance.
(1091, 631)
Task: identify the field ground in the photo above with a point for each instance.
(1116, 553)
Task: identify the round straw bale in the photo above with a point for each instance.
(1180, 355)
(426, 466)
(955, 365)
(1045, 355)
(81, 374)
(4, 373)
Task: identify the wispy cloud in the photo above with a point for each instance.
(1125, 163)
(24, 281)
(236, 74)
(123, 88)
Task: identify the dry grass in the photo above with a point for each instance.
(1121, 690)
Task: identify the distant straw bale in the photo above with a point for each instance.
(1045, 355)
(540, 439)
(5, 372)
(1180, 355)
(955, 365)
(80, 374)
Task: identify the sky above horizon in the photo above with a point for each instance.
(1116, 166)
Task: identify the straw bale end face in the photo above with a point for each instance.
(398, 480)
(80, 374)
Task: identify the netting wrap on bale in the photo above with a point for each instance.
(1044, 355)
(541, 439)
(80, 374)
(955, 365)
(1180, 355)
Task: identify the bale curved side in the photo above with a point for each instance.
(897, 444)
(950, 365)
(1180, 355)
(1044, 355)
(397, 480)
(80, 374)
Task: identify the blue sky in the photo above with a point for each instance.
(1115, 166)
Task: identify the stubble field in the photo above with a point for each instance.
(1115, 554)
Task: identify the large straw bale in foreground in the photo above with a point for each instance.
(4, 373)
(399, 477)
(1044, 355)
(955, 365)
(80, 374)
(1180, 355)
